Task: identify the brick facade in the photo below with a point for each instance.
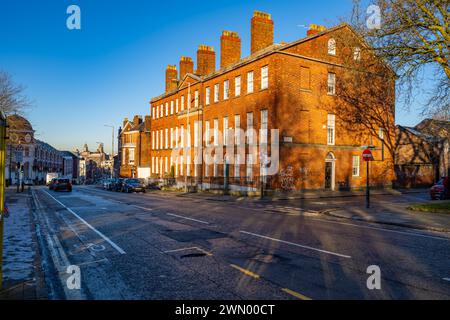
(282, 85)
(134, 145)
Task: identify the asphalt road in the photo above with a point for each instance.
(158, 247)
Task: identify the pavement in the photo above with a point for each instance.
(22, 274)
(159, 246)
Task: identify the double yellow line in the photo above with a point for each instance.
(257, 276)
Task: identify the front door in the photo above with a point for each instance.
(329, 175)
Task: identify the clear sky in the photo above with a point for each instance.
(80, 80)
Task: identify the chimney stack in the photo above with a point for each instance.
(137, 120)
(315, 29)
(171, 78)
(230, 51)
(186, 66)
(125, 121)
(262, 29)
(148, 121)
(206, 60)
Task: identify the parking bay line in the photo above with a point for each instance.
(186, 218)
(446, 279)
(296, 245)
(115, 246)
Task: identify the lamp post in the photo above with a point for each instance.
(112, 150)
(187, 136)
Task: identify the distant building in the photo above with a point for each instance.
(71, 165)
(423, 153)
(26, 156)
(94, 165)
(134, 148)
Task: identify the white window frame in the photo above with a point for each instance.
(237, 129)
(332, 47)
(216, 132)
(226, 90)
(177, 109)
(250, 126)
(167, 109)
(331, 84)
(225, 131)
(196, 100)
(216, 93)
(250, 82)
(208, 96)
(207, 133)
(264, 77)
(237, 86)
(171, 138)
(331, 129)
(356, 166)
(182, 103)
(171, 107)
(357, 54)
(264, 134)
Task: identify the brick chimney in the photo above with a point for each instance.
(125, 121)
(315, 29)
(262, 29)
(148, 121)
(137, 120)
(186, 66)
(206, 60)
(230, 51)
(171, 78)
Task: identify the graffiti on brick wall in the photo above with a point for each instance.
(287, 179)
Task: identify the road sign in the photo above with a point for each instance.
(367, 155)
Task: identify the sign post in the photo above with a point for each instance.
(368, 158)
(2, 187)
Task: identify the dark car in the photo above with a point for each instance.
(108, 184)
(62, 185)
(117, 185)
(133, 185)
(51, 185)
(441, 190)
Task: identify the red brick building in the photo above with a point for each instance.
(231, 113)
(134, 148)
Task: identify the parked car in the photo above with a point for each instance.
(107, 184)
(51, 184)
(133, 185)
(441, 190)
(28, 182)
(117, 185)
(62, 185)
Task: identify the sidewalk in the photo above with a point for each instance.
(22, 275)
(298, 196)
(396, 215)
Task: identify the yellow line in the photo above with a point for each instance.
(245, 271)
(296, 294)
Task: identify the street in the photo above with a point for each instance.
(170, 246)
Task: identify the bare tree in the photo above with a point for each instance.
(414, 38)
(12, 98)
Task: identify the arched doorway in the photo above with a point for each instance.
(330, 172)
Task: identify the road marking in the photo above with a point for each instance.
(209, 254)
(191, 219)
(146, 209)
(245, 271)
(296, 294)
(382, 229)
(115, 246)
(446, 279)
(297, 245)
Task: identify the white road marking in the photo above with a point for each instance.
(446, 279)
(191, 219)
(187, 249)
(146, 209)
(115, 246)
(382, 229)
(296, 245)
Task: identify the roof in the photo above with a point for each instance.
(259, 55)
(437, 128)
(19, 123)
(419, 134)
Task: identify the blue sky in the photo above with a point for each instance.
(82, 79)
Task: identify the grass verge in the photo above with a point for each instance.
(437, 207)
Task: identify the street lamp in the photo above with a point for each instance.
(112, 150)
